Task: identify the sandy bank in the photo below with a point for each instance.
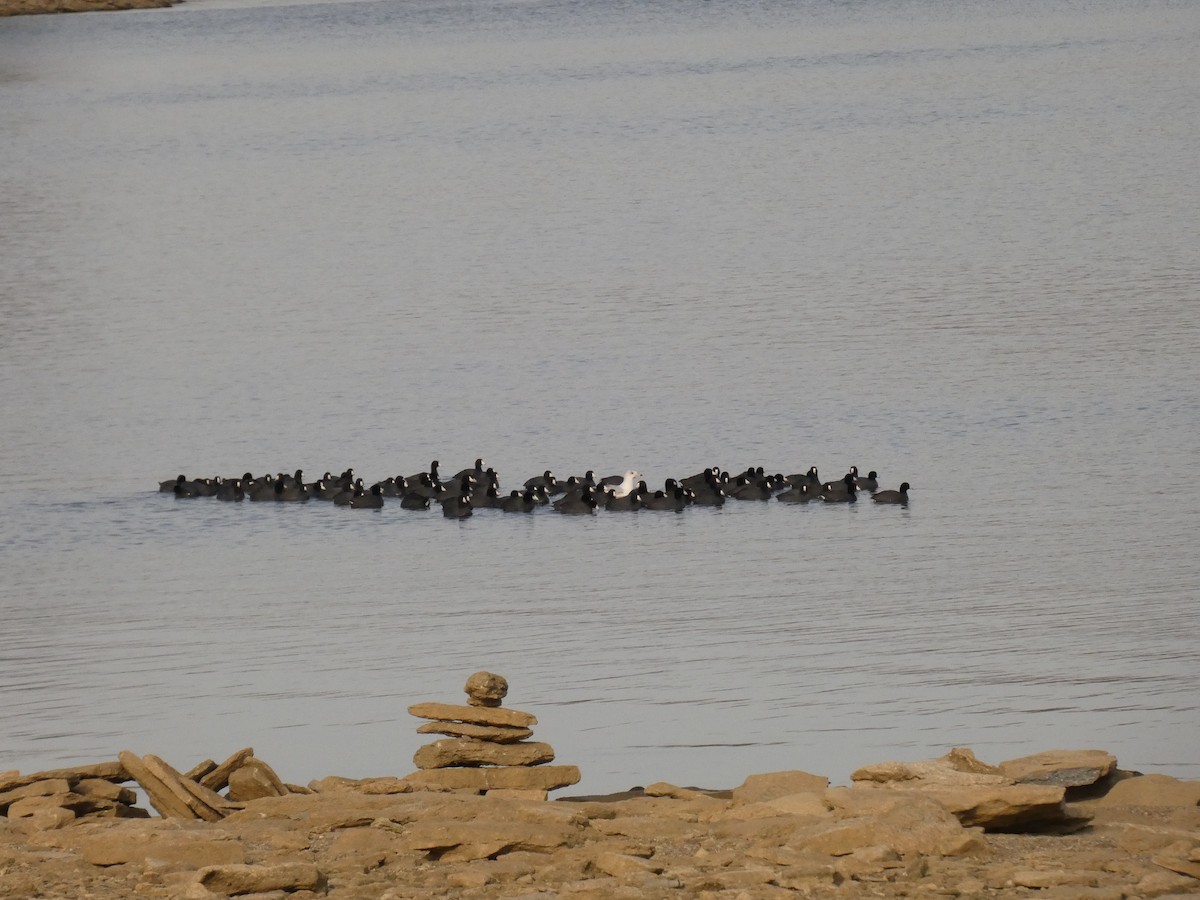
(38, 7)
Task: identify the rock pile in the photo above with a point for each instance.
(487, 751)
(56, 797)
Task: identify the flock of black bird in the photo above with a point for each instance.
(479, 488)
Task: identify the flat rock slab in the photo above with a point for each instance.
(475, 715)
(484, 839)
(467, 752)
(243, 879)
(1152, 790)
(109, 771)
(489, 778)
(495, 733)
(773, 785)
(1065, 768)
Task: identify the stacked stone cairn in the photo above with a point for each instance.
(56, 797)
(487, 751)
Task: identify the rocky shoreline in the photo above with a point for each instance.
(946, 827)
(39, 7)
(475, 820)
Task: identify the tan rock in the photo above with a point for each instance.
(48, 819)
(647, 828)
(768, 786)
(486, 689)
(806, 804)
(963, 759)
(115, 846)
(666, 789)
(467, 752)
(28, 806)
(34, 789)
(1004, 807)
(388, 784)
(253, 780)
(245, 879)
(494, 733)
(474, 715)
(941, 771)
(218, 778)
(516, 794)
(461, 841)
(1152, 790)
(160, 796)
(100, 789)
(109, 771)
(486, 778)
(200, 769)
(1066, 768)
(620, 865)
(204, 803)
(1177, 864)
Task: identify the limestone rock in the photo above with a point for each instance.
(117, 846)
(1066, 768)
(204, 803)
(244, 879)
(1152, 790)
(28, 806)
(486, 689)
(34, 789)
(482, 839)
(474, 715)
(218, 778)
(515, 794)
(254, 779)
(942, 771)
(466, 752)
(486, 778)
(100, 789)
(1003, 807)
(109, 771)
(772, 785)
(200, 769)
(494, 733)
(48, 819)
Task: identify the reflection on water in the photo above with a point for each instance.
(956, 248)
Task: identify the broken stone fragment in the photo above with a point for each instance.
(466, 752)
(474, 715)
(486, 689)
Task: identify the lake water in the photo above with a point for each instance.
(954, 242)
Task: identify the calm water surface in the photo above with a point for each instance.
(953, 242)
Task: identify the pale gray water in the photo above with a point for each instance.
(954, 242)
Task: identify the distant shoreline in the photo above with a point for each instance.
(39, 7)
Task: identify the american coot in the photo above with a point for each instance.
(845, 495)
(166, 487)
(630, 502)
(811, 478)
(673, 499)
(870, 482)
(372, 499)
(579, 502)
(545, 480)
(519, 501)
(456, 507)
(800, 493)
(900, 496)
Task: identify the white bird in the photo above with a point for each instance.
(622, 484)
